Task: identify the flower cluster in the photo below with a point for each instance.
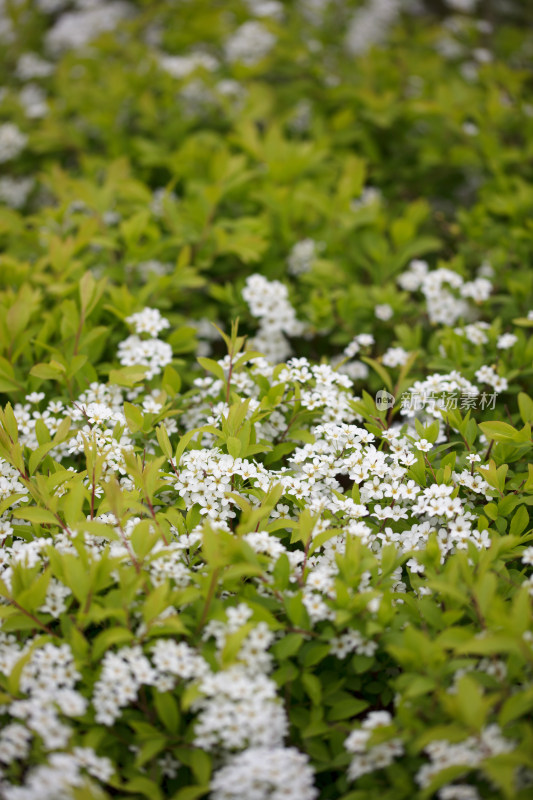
(302, 256)
(339, 486)
(181, 66)
(443, 306)
(75, 29)
(368, 757)
(265, 773)
(15, 191)
(12, 142)
(151, 353)
(468, 753)
(370, 24)
(268, 301)
(302, 569)
(250, 43)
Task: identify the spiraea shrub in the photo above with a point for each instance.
(265, 425)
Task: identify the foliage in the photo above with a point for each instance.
(288, 555)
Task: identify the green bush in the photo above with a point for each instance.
(265, 293)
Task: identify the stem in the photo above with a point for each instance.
(61, 524)
(128, 548)
(518, 489)
(88, 602)
(467, 445)
(426, 459)
(93, 491)
(152, 512)
(32, 617)
(304, 562)
(487, 454)
(289, 426)
(479, 615)
(277, 594)
(78, 334)
(209, 598)
(230, 373)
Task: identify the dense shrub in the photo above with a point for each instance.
(266, 417)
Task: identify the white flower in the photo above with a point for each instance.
(458, 791)
(478, 289)
(395, 357)
(182, 66)
(268, 300)
(12, 142)
(365, 339)
(506, 340)
(262, 773)
(33, 100)
(249, 44)
(488, 374)
(266, 8)
(468, 6)
(470, 129)
(30, 66)
(370, 24)
(369, 196)
(302, 256)
(383, 311)
(75, 29)
(352, 349)
(15, 191)
(151, 353)
(35, 397)
(149, 320)
(54, 602)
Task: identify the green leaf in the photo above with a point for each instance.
(234, 446)
(212, 366)
(52, 371)
(171, 382)
(525, 404)
(127, 376)
(499, 431)
(164, 441)
(33, 597)
(518, 705)
(156, 602)
(134, 417)
(183, 442)
(41, 516)
(149, 750)
(191, 793)
(346, 709)
(313, 653)
(313, 687)
(143, 786)
(106, 639)
(40, 452)
(200, 763)
(282, 571)
(288, 646)
(233, 644)
(167, 710)
(8, 383)
(519, 522)
(381, 371)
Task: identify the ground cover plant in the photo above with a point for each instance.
(265, 425)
